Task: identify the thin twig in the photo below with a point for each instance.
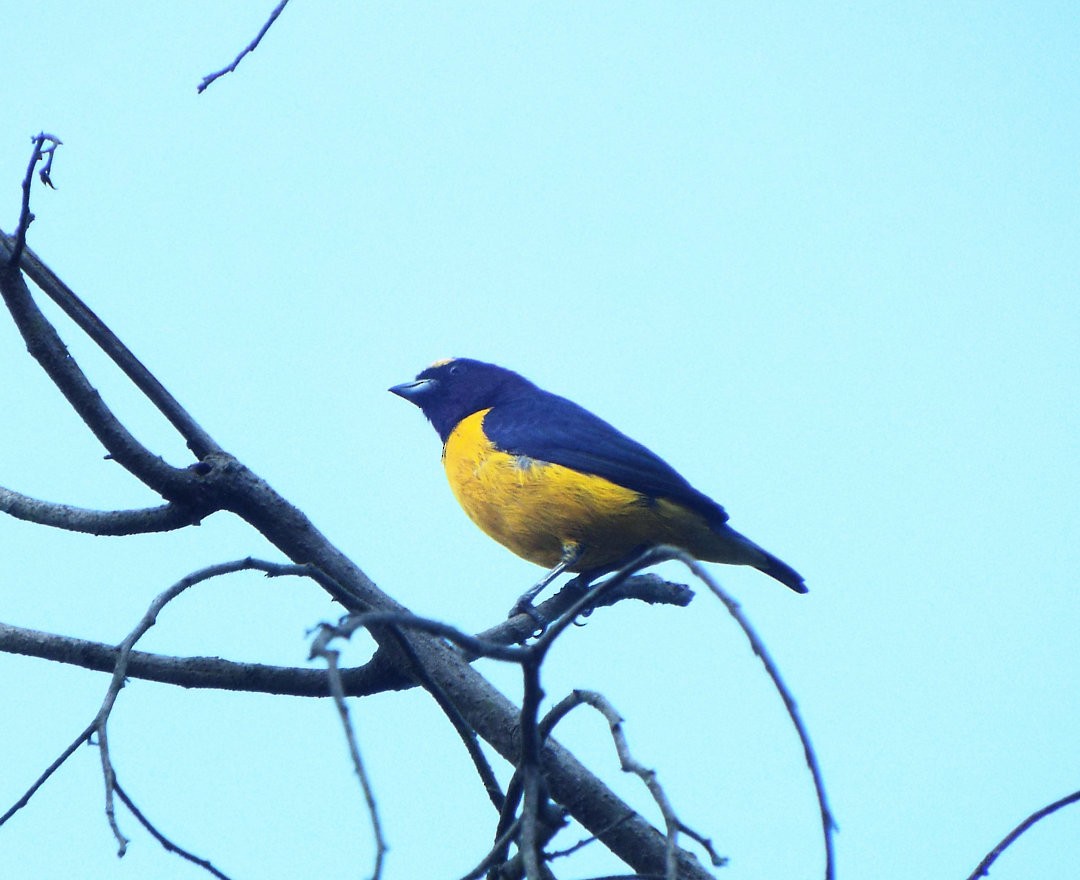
(367, 619)
(167, 844)
(534, 812)
(508, 816)
(529, 772)
(586, 841)
(705, 843)
(662, 553)
(343, 594)
(108, 773)
(120, 657)
(630, 764)
(497, 853)
(249, 48)
(461, 726)
(331, 657)
(25, 216)
(984, 866)
(828, 824)
(45, 173)
(101, 721)
(48, 771)
(526, 784)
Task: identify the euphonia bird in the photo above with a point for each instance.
(555, 483)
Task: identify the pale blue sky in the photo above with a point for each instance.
(822, 258)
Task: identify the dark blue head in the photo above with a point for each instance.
(449, 391)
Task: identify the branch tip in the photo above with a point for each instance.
(41, 152)
(250, 47)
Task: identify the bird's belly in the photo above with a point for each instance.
(536, 508)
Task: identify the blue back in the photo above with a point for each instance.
(545, 426)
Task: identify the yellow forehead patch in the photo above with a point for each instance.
(441, 363)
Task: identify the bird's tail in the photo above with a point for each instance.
(749, 553)
(781, 571)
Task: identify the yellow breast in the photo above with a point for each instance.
(535, 508)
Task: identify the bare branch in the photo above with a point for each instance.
(630, 764)
(165, 518)
(529, 777)
(663, 553)
(648, 588)
(100, 725)
(377, 676)
(167, 844)
(25, 217)
(368, 619)
(198, 441)
(461, 726)
(828, 824)
(189, 672)
(534, 792)
(101, 721)
(48, 771)
(539, 819)
(581, 844)
(222, 482)
(48, 349)
(249, 48)
(984, 866)
(109, 775)
(497, 853)
(331, 657)
(121, 659)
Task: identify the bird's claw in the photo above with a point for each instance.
(524, 606)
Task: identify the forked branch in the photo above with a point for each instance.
(44, 149)
(219, 482)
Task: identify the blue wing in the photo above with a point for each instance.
(551, 428)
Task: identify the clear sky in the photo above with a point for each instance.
(821, 257)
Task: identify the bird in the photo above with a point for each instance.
(560, 486)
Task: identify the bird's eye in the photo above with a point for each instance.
(455, 369)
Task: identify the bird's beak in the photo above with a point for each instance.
(413, 391)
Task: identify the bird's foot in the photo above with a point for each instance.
(524, 605)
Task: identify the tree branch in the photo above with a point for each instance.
(377, 676)
(46, 347)
(984, 866)
(828, 824)
(165, 518)
(220, 481)
(331, 658)
(198, 440)
(190, 672)
(539, 820)
(49, 771)
(25, 215)
(251, 47)
(630, 764)
(464, 731)
(166, 844)
(100, 723)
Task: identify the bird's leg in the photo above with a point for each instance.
(571, 553)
